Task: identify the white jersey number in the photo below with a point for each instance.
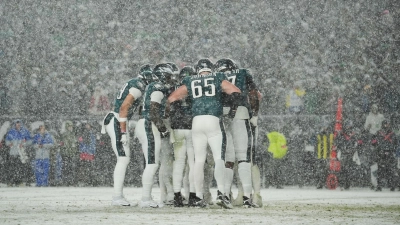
(232, 79)
(197, 88)
(122, 91)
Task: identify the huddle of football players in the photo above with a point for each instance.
(185, 116)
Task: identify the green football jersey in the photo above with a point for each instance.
(153, 87)
(124, 91)
(242, 79)
(205, 91)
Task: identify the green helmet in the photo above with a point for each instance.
(146, 73)
(204, 65)
(223, 65)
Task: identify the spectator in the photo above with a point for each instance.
(345, 142)
(87, 149)
(294, 99)
(69, 154)
(278, 149)
(55, 174)
(386, 143)
(18, 138)
(366, 98)
(374, 120)
(42, 143)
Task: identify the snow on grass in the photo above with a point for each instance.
(92, 205)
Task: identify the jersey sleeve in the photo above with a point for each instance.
(136, 93)
(157, 96)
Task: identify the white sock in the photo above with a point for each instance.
(219, 174)
(244, 170)
(228, 180)
(119, 175)
(148, 180)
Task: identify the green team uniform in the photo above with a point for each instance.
(135, 83)
(151, 88)
(111, 125)
(206, 93)
(242, 79)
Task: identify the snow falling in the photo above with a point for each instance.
(66, 60)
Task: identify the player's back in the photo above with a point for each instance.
(136, 83)
(242, 79)
(205, 92)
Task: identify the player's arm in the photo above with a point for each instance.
(133, 94)
(178, 94)
(254, 99)
(155, 109)
(234, 96)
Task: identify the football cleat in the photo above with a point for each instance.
(121, 201)
(200, 203)
(223, 201)
(178, 200)
(149, 204)
(247, 203)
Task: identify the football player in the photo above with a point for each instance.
(181, 124)
(204, 90)
(166, 155)
(115, 125)
(239, 126)
(151, 129)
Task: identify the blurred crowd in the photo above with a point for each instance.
(60, 52)
(64, 61)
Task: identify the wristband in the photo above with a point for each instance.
(123, 119)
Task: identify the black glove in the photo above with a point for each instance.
(232, 112)
(164, 132)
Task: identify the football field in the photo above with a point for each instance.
(292, 205)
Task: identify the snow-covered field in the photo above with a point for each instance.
(91, 205)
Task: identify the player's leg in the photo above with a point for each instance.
(191, 192)
(123, 157)
(199, 139)
(229, 160)
(217, 142)
(151, 142)
(179, 165)
(242, 141)
(255, 170)
(208, 177)
(165, 172)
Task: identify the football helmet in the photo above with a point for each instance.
(223, 65)
(204, 65)
(164, 73)
(146, 73)
(175, 71)
(186, 71)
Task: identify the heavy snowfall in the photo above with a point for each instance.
(65, 61)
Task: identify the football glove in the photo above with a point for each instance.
(124, 139)
(164, 132)
(253, 120)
